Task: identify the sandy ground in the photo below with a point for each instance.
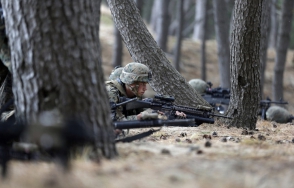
(204, 156)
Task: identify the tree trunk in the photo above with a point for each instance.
(117, 48)
(245, 64)
(282, 47)
(199, 15)
(203, 43)
(143, 49)
(155, 14)
(5, 65)
(56, 65)
(140, 4)
(163, 25)
(221, 22)
(264, 38)
(177, 54)
(274, 25)
(147, 9)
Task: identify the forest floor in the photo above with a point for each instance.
(208, 156)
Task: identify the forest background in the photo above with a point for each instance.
(204, 156)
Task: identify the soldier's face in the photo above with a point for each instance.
(142, 88)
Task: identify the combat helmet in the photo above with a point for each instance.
(115, 73)
(198, 85)
(135, 72)
(278, 114)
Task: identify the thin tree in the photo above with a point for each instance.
(178, 46)
(274, 25)
(199, 16)
(117, 48)
(56, 66)
(222, 22)
(282, 48)
(163, 25)
(264, 40)
(143, 49)
(203, 41)
(245, 64)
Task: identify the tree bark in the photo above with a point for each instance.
(221, 22)
(177, 54)
(264, 40)
(282, 47)
(143, 49)
(56, 66)
(245, 64)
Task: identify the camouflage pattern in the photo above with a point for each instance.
(278, 114)
(135, 72)
(198, 85)
(114, 94)
(115, 73)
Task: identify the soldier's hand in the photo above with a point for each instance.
(181, 115)
(147, 115)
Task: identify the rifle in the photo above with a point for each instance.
(165, 104)
(217, 95)
(265, 104)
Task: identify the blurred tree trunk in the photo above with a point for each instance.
(245, 64)
(282, 47)
(163, 25)
(203, 42)
(143, 49)
(264, 38)
(140, 4)
(117, 48)
(56, 65)
(177, 52)
(147, 9)
(222, 22)
(274, 25)
(155, 14)
(200, 13)
(5, 65)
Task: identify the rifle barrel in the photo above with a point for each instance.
(152, 123)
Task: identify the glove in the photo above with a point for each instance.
(148, 115)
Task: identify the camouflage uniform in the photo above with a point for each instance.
(132, 72)
(115, 73)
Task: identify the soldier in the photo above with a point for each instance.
(199, 85)
(115, 73)
(132, 83)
